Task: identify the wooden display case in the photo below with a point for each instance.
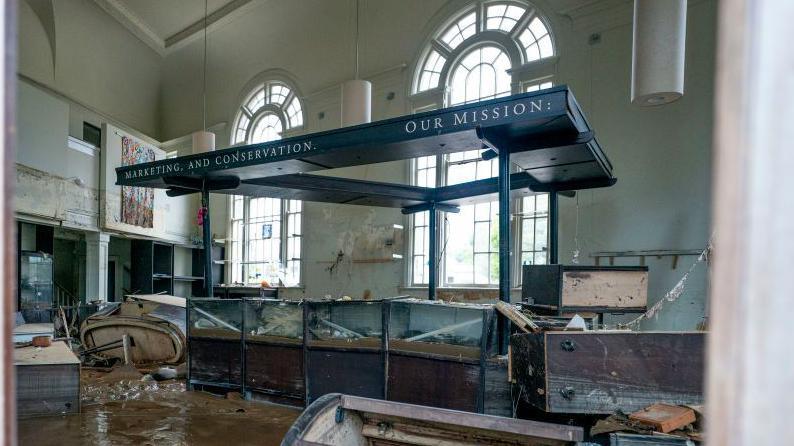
(215, 342)
(274, 351)
(437, 353)
(601, 372)
(345, 350)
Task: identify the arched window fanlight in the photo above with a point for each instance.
(520, 21)
(268, 111)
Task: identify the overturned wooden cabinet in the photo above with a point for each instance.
(601, 372)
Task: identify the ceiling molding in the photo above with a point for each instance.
(219, 17)
(140, 29)
(133, 23)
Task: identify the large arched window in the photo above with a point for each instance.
(266, 233)
(267, 111)
(487, 50)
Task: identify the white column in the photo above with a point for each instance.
(751, 367)
(96, 266)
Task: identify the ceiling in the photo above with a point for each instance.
(168, 17)
(165, 24)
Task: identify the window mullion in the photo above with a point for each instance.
(441, 48)
(480, 17)
(523, 23)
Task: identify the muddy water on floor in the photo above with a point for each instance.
(130, 412)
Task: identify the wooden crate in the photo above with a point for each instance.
(48, 380)
(572, 288)
(601, 372)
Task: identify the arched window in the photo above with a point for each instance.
(487, 50)
(266, 233)
(268, 110)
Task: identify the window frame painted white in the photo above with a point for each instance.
(524, 75)
(275, 102)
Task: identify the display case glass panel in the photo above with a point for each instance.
(440, 329)
(345, 324)
(273, 321)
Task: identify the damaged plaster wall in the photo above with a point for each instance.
(661, 157)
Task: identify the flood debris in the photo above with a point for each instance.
(657, 420)
(664, 417)
(119, 409)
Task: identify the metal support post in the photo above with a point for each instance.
(554, 226)
(432, 254)
(503, 325)
(207, 233)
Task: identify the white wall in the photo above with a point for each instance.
(92, 59)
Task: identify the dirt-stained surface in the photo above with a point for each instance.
(128, 411)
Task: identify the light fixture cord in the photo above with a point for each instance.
(357, 7)
(204, 95)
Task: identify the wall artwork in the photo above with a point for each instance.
(137, 203)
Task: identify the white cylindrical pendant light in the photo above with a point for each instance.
(356, 102)
(203, 141)
(657, 64)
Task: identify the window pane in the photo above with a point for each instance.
(460, 31)
(536, 41)
(534, 229)
(481, 74)
(503, 17)
(460, 246)
(482, 236)
(256, 101)
(278, 94)
(431, 71)
(481, 269)
(268, 128)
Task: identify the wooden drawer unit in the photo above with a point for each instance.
(601, 372)
(572, 288)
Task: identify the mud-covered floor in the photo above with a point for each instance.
(127, 411)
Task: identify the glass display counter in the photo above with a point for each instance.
(215, 341)
(274, 350)
(437, 353)
(345, 348)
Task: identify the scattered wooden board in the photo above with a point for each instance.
(664, 417)
(518, 318)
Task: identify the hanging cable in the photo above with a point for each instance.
(204, 92)
(356, 38)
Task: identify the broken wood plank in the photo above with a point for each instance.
(664, 417)
(518, 318)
